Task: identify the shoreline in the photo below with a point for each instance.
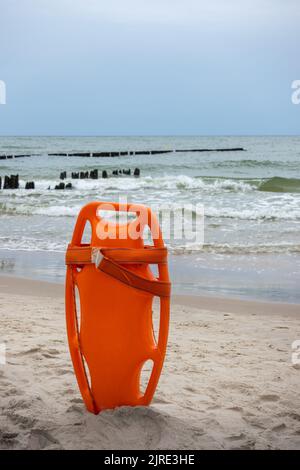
(255, 278)
(31, 287)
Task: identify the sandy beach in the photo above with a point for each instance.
(228, 380)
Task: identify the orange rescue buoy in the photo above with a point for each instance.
(113, 337)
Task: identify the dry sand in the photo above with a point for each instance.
(228, 380)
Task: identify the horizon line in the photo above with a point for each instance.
(149, 135)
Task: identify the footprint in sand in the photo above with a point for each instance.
(236, 437)
(269, 397)
(29, 351)
(77, 400)
(8, 440)
(295, 416)
(40, 439)
(238, 409)
(63, 371)
(190, 389)
(8, 437)
(160, 401)
(279, 427)
(53, 351)
(75, 409)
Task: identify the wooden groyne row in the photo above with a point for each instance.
(10, 157)
(110, 154)
(125, 153)
(12, 181)
(234, 149)
(63, 186)
(141, 152)
(94, 174)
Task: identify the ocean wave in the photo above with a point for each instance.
(31, 244)
(164, 182)
(45, 244)
(235, 249)
(267, 212)
(257, 213)
(179, 182)
(49, 211)
(280, 185)
(252, 163)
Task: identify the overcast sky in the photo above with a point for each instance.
(149, 67)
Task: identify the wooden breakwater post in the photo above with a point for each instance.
(79, 154)
(94, 174)
(234, 149)
(63, 186)
(11, 182)
(61, 154)
(10, 157)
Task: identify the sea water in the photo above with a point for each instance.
(251, 202)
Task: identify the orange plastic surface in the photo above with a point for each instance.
(114, 336)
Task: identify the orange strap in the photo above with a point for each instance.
(83, 255)
(154, 287)
(79, 255)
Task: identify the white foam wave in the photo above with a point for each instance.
(58, 211)
(31, 244)
(46, 244)
(257, 213)
(179, 182)
(236, 249)
(265, 212)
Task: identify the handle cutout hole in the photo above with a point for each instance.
(155, 318)
(116, 217)
(145, 375)
(77, 308)
(148, 241)
(78, 321)
(87, 233)
(147, 236)
(87, 372)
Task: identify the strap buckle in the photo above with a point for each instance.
(96, 256)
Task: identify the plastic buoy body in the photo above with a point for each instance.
(110, 331)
